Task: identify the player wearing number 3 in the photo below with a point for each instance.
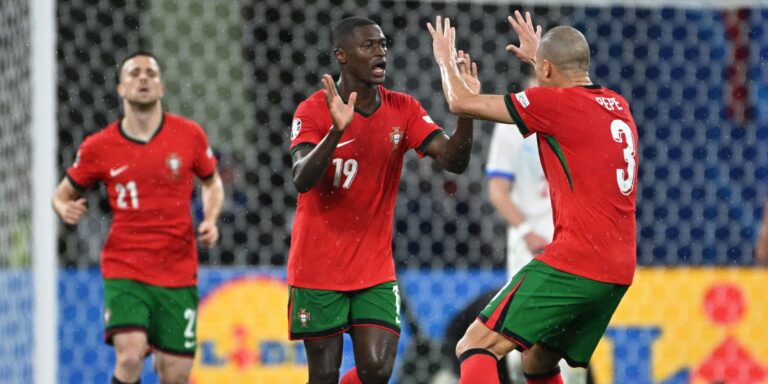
(147, 160)
(559, 305)
(347, 144)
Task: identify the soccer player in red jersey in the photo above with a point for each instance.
(347, 144)
(147, 160)
(559, 305)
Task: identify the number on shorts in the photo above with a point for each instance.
(396, 291)
(189, 330)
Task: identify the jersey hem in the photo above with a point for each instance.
(154, 284)
(516, 116)
(300, 146)
(293, 283)
(81, 189)
(600, 279)
(428, 140)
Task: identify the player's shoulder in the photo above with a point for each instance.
(179, 121)
(313, 103)
(395, 99)
(109, 133)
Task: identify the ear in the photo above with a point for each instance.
(341, 57)
(549, 70)
(120, 89)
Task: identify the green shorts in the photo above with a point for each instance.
(315, 313)
(167, 315)
(559, 310)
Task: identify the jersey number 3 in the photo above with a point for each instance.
(623, 133)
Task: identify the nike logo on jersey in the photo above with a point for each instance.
(344, 143)
(189, 344)
(116, 171)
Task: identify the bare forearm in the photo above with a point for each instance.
(308, 169)
(213, 198)
(458, 148)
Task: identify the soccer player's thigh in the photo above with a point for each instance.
(375, 318)
(126, 315)
(582, 330)
(173, 330)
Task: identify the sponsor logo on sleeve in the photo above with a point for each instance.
(428, 119)
(523, 99)
(209, 152)
(295, 128)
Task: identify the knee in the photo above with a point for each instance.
(375, 372)
(170, 377)
(130, 360)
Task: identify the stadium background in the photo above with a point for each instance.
(694, 76)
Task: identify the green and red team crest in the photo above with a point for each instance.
(174, 164)
(304, 317)
(395, 137)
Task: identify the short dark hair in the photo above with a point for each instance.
(131, 56)
(344, 28)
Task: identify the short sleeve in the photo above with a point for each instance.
(205, 160)
(535, 109)
(306, 129)
(421, 129)
(86, 169)
(504, 153)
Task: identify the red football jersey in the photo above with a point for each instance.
(342, 232)
(588, 148)
(151, 239)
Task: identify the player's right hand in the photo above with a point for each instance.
(535, 242)
(529, 37)
(73, 210)
(341, 114)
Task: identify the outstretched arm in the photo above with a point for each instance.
(460, 98)
(213, 198)
(309, 164)
(68, 203)
(453, 153)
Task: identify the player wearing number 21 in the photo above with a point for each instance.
(347, 143)
(559, 305)
(147, 160)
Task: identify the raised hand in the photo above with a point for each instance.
(443, 40)
(529, 37)
(468, 71)
(341, 114)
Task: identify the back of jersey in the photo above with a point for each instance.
(588, 146)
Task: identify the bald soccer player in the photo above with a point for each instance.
(559, 305)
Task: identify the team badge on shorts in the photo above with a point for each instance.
(395, 137)
(304, 317)
(174, 164)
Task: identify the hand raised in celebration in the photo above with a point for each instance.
(529, 37)
(443, 40)
(468, 71)
(341, 114)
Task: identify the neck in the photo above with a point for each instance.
(366, 93)
(577, 81)
(141, 122)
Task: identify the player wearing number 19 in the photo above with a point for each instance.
(559, 305)
(147, 160)
(347, 144)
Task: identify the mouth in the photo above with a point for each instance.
(143, 89)
(380, 68)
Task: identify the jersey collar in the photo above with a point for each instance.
(363, 113)
(135, 140)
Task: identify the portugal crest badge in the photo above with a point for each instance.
(304, 317)
(395, 137)
(174, 164)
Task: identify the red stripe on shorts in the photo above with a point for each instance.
(494, 318)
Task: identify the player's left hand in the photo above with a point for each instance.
(208, 234)
(529, 37)
(468, 71)
(443, 41)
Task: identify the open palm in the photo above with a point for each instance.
(341, 114)
(529, 37)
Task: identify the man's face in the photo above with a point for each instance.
(364, 54)
(140, 81)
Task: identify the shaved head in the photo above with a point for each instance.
(566, 48)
